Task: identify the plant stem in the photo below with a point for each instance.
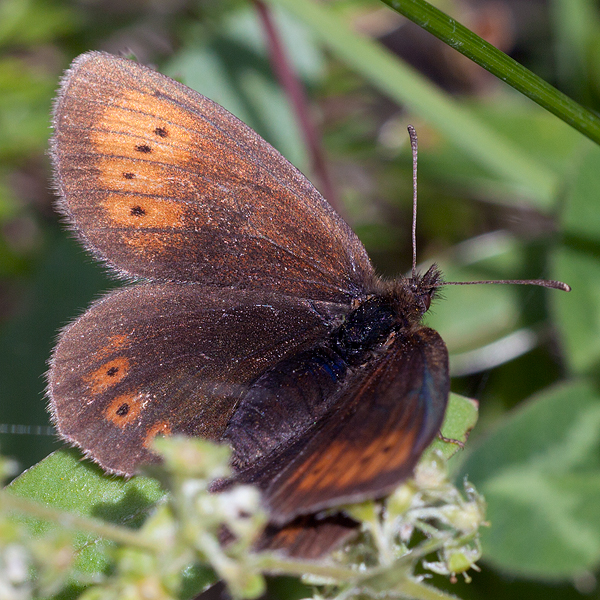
(499, 64)
(276, 565)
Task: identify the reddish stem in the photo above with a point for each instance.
(295, 92)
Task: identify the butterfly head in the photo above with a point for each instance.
(411, 297)
(425, 287)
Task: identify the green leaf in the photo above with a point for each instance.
(461, 417)
(581, 216)
(539, 473)
(64, 481)
(470, 316)
(578, 313)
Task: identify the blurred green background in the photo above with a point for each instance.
(530, 356)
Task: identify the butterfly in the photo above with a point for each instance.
(253, 315)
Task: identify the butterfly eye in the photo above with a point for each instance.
(427, 299)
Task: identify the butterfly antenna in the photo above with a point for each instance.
(556, 285)
(547, 283)
(414, 145)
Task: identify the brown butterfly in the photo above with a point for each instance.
(257, 318)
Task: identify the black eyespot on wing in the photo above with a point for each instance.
(137, 211)
(122, 410)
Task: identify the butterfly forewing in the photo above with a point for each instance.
(169, 358)
(163, 183)
(386, 414)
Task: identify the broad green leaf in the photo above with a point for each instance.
(64, 481)
(539, 472)
(581, 216)
(578, 313)
(470, 316)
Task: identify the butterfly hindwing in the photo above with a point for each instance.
(308, 537)
(169, 358)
